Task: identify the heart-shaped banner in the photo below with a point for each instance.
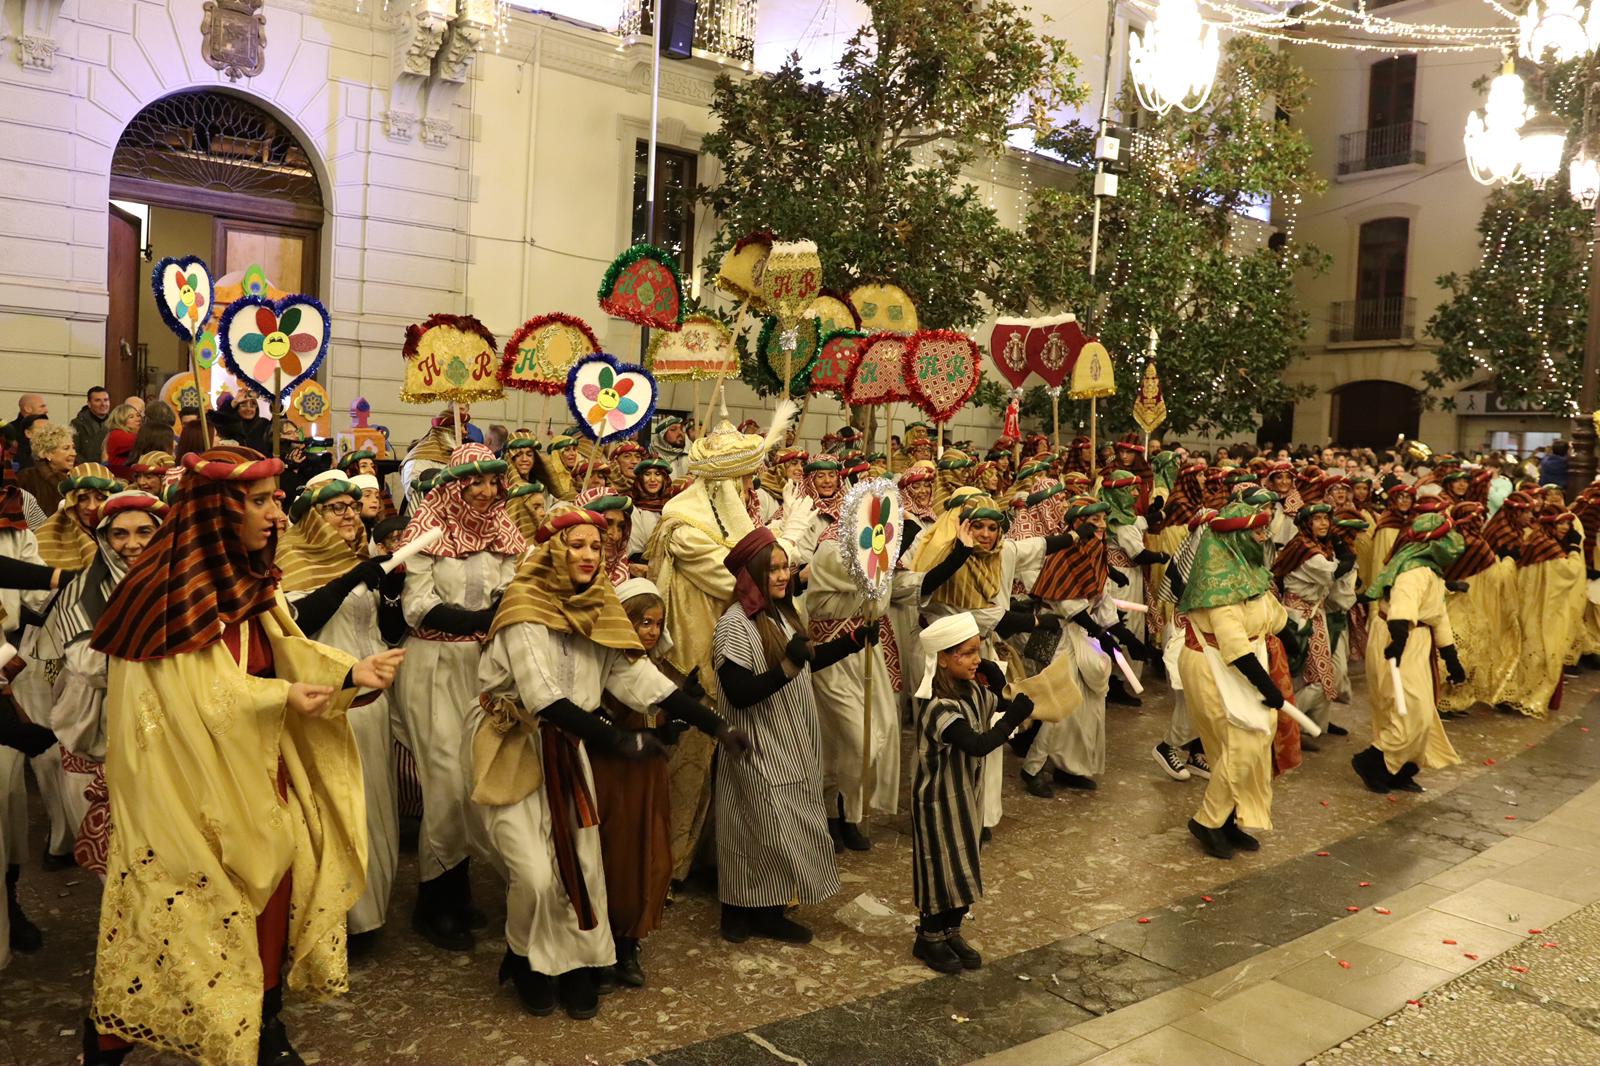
(884, 307)
(832, 312)
(610, 400)
(869, 538)
(941, 371)
(1008, 349)
(540, 353)
(879, 376)
(261, 338)
(450, 359)
(1053, 345)
(183, 293)
(841, 351)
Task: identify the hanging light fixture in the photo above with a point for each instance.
(1544, 138)
(1174, 63)
(1494, 136)
(1560, 29)
(1583, 179)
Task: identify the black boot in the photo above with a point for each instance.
(604, 978)
(934, 950)
(275, 1049)
(970, 959)
(436, 919)
(93, 1056)
(53, 862)
(735, 923)
(1241, 840)
(1037, 784)
(629, 971)
(1077, 781)
(536, 990)
(1369, 764)
(1406, 779)
(850, 834)
(25, 936)
(1118, 694)
(1213, 840)
(471, 916)
(771, 923)
(834, 830)
(578, 996)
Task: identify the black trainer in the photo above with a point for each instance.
(1368, 764)
(1173, 762)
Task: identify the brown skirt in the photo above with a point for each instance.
(635, 840)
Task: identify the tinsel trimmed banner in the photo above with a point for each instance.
(941, 371)
(642, 285)
(450, 359)
(703, 348)
(539, 354)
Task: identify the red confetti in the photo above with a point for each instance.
(1549, 944)
(1322, 855)
(1383, 910)
(1519, 969)
(1207, 899)
(1413, 1002)
(1364, 884)
(1584, 728)
(1352, 908)
(1511, 817)
(1488, 762)
(1144, 921)
(1449, 941)
(1391, 799)
(1470, 955)
(1343, 965)
(1535, 932)
(1324, 803)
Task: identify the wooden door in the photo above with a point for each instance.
(124, 269)
(1391, 91)
(1381, 278)
(287, 253)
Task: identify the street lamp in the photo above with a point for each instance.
(1493, 137)
(1544, 138)
(1174, 63)
(1583, 179)
(1560, 29)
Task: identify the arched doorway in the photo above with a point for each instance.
(209, 173)
(1372, 414)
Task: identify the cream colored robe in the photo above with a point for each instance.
(1417, 596)
(1551, 599)
(1488, 632)
(201, 842)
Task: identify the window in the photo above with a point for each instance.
(1380, 305)
(674, 202)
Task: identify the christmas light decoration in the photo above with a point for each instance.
(1174, 64)
(1558, 30)
(1494, 136)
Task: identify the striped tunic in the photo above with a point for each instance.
(945, 805)
(772, 831)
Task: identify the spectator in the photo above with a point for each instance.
(189, 416)
(249, 428)
(16, 441)
(89, 424)
(135, 401)
(497, 437)
(192, 439)
(158, 433)
(122, 430)
(56, 455)
(1553, 467)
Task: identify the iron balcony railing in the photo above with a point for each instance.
(1383, 146)
(1389, 319)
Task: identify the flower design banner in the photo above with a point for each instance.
(610, 400)
(869, 536)
(703, 348)
(183, 293)
(262, 338)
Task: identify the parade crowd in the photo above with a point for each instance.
(236, 670)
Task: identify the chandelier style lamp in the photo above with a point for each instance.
(1544, 138)
(1559, 30)
(1174, 63)
(1583, 179)
(1494, 135)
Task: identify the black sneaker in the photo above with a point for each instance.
(53, 862)
(1119, 695)
(1037, 785)
(274, 1048)
(1171, 761)
(936, 954)
(970, 959)
(578, 996)
(1198, 766)
(1212, 840)
(26, 937)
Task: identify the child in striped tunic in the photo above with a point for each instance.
(954, 711)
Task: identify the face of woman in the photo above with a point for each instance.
(480, 491)
(262, 514)
(537, 508)
(246, 407)
(1561, 529)
(778, 575)
(985, 533)
(150, 483)
(1403, 502)
(652, 481)
(583, 554)
(1361, 493)
(649, 627)
(1098, 523)
(614, 520)
(961, 661)
(826, 483)
(1553, 498)
(63, 458)
(990, 479)
(1338, 497)
(1319, 525)
(128, 534)
(1456, 487)
(135, 421)
(794, 470)
(367, 466)
(522, 460)
(371, 503)
(340, 513)
(88, 507)
(1260, 534)
(569, 458)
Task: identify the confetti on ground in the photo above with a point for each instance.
(1144, 921)
(1414, 1003)
(1023, 977)
(1352, 908)
(1488, 762)
(1383, 910)
(1511, 817)
(1364, 884)
(1343, 965)
(1322, 855)
(960, 1019)
(1519, 969)
(1324, 803)
(1470, 955)
(1450, 942)
(1535, 932)
(1549, 944)
(1206, 899)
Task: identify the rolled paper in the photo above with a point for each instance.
(1399, 688)
(423, 542)
(1306, 725)
(1122, 664)
(8, 651)
(1136, 608)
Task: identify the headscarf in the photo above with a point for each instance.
(1395, 519)
(81, 604)
(632, 589)
(1477, 556)
(750, 596)
(63, 542)
(195, 578)
(977, 583)
(541, 592)
(1501, 533)
(435, 445)
(1228, 561)
(1304, 546)
(826, 507)
(918, 476)
(312, 553)
(942, 635)
(466, 531)
(1431, 542)
(602, 501)
(1540, 547)
(1080, 572)
(1120, 492)
(521, 511)
(1188, 494)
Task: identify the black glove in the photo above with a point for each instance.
(640, 744)
(1593, 574)
(669, 731)
(369, 572)
(1048, 622)
(1399, 632)
(1456, 586)
(1057, 542)
(1151, 558)
(25, 736)
(799, 650)
(1137, 648)
(1292, 638)
(1573, 539)
(1020, 706)
(458, 620)
(1257, 675)
(1115, 575)
(1087, 624)
(1084, 529)
(1510, 553)
(1152, 513)
(992, 675)
(1452, 665)
(734, 741)
(866, 634)
(692, 686)
(1177, 582)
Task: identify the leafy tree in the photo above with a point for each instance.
(1520, 314)
(872, 167)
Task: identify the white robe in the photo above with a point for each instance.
(535, 667)
(1077, 743)
(435, 686)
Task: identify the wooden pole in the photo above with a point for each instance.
(589, 469)
(695, 407)
(1055, 418)
(888, 442)
(866, 713)
(205, 401)
(461, 431)
(277, 413)
(938, 450)
(1094, 445)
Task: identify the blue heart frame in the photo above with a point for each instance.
(277, 307)
(618, 368)
(182, 263)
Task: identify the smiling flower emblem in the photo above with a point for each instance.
(277, 343)
(610, 399)
(190, 300)
(875, 537)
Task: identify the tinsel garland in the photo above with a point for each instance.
(545, 386)
(624, 262)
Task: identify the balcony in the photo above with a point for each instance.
(1390, 319)
(1383, 147)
